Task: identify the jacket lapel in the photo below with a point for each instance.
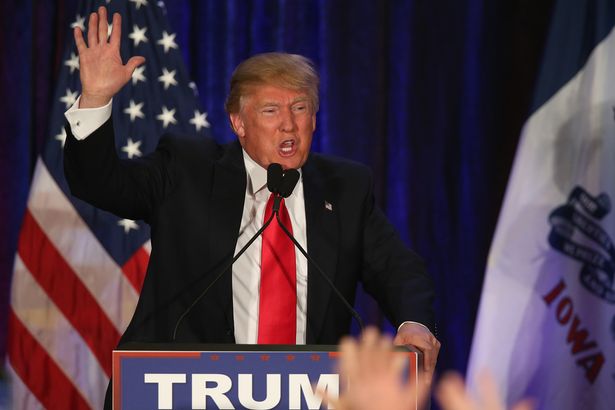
(228, 195)
(322, 246)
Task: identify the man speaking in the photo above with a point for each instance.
(205, 201)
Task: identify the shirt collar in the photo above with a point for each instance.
(257, 175)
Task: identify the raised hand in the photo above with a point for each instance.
(100, 65)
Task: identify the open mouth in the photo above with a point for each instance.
(287, 148)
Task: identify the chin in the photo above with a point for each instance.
(288, 164)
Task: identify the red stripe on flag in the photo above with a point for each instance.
(38, 370)
(67, 291)
(135, 268)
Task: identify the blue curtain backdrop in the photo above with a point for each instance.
(431, 95)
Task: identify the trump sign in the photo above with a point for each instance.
(222, 379)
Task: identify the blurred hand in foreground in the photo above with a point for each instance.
(452, 395)
(374, 371)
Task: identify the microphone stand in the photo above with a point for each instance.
(220, 274)
(352, 311)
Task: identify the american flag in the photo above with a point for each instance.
(78, 270)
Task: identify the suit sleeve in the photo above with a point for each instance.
(395, 275)
(128, 188)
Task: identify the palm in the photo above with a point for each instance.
(101, 69)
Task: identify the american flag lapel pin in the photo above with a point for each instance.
(328, 206)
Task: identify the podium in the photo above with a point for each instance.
(179, 376)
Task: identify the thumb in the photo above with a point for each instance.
(133, 63)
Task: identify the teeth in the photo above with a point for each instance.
(287, 146)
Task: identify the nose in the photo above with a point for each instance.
(288, 121)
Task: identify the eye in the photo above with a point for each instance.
(269, 110)
(300, 107)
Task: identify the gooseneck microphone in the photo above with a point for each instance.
(352, 311)
(281, 184)
(274, 177)
(274, 180)
(288, 183)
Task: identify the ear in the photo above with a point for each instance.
(237, 124)
(313, 122)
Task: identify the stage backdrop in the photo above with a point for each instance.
(431, 95)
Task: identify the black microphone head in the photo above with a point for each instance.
(291, 177)
(274, 177)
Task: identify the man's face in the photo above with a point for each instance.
(275, 124)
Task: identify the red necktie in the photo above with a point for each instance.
(277, 317)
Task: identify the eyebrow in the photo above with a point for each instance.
(277, 104)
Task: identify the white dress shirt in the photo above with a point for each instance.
(246, 271)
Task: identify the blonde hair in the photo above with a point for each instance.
(290, 71)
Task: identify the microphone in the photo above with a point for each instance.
(281, 184)
(286, 186)
(274, 177)
(289, 181)
(274, 180)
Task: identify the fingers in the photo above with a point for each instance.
(420, 337)
(488, 392)
(527, 404)
(79, 41)
(116, 33)
(93, 30)
(431, 356)
(451, 393)
(130, 66)
(348, 358)
(98, 27)
(103, 25)
(133, 63)
(430, 348)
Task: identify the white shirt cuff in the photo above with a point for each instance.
(416, 323)
(84, 121)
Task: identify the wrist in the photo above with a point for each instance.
(93, 101)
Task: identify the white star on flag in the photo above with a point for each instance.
(139, 3)
(192, 85)
(134, 110)
(119, 246)
(70, 98)
(167, 41)
(61, 136)
(138, 35)
(199, 120)
(72, 62)
(79, 22)
(167, 116)
(132, 148)
(138, 75)
(128, 224)
(168, 78)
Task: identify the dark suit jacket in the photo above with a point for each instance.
(191, 192)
